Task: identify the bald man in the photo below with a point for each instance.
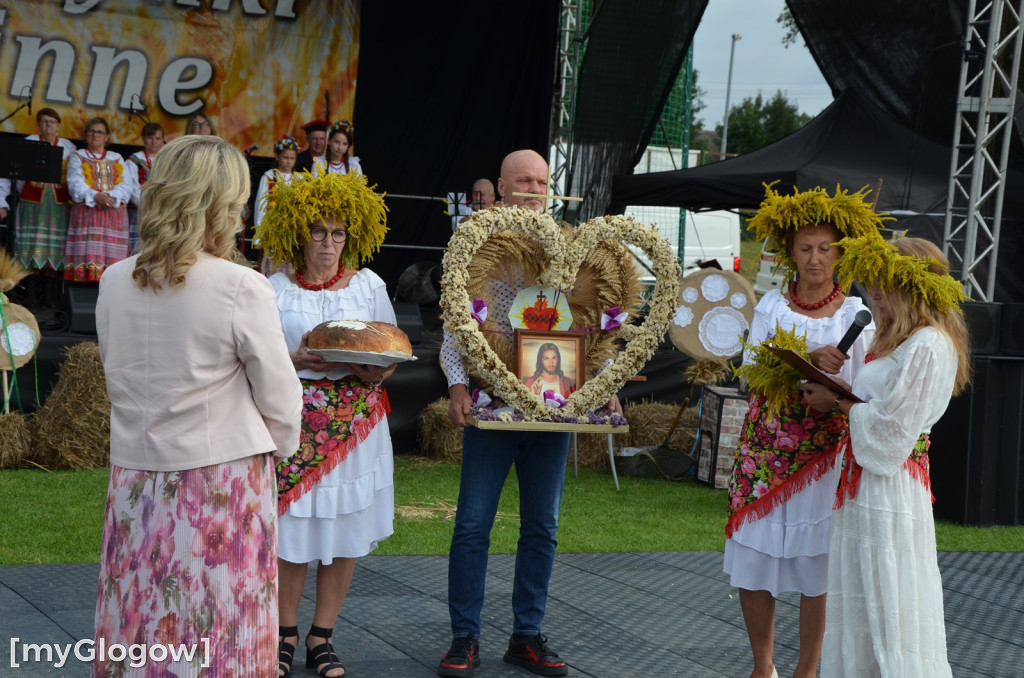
(482, 195)
(487, 457)
(524, 172)
(480, 198)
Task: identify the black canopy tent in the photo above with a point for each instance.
(852, 143)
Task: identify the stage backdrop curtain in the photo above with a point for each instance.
(446, 90)
(633, 54)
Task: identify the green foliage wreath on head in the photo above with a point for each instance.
(874, 261)
(293, 209)
(780, 216)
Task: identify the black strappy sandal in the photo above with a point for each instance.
(323, 655)
(285, 650)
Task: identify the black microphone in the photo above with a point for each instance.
(131, 106)
(860, 321)
(30, 102)
(252, 149)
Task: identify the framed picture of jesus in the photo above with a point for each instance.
(549, 361)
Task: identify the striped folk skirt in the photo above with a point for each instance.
(97, 238)
(41, 232)
(189, 562)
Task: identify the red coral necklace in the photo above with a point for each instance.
(322, 286)
(816, 305)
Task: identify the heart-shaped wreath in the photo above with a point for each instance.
(563, 253)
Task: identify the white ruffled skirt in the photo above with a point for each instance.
(787, 550)
(349, 511)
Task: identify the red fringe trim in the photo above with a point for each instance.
(358, 435)
(920, 474)
(849, 477)
(764, 505)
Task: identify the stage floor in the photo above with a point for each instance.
(609, 614)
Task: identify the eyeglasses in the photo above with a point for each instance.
(319, 234)
(200, 123)
(96, 133)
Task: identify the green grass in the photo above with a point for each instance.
(750, 259)
(57, 517)
(52, 517)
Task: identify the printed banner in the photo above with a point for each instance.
(258, 68)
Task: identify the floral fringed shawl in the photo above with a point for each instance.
(336, 417)
(778, 456)
(917, 465)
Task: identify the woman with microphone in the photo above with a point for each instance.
(783, 480)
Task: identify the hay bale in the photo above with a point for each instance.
(439, 438)
(649, 423)
(15, 440)
(592, 449)
(72, 429)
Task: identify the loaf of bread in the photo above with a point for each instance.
(358, 335)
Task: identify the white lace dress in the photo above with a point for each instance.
(352, 508)
(787, 550)
(884, 610)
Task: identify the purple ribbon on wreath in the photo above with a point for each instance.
(478, 309)
(612, 318)
(552, 399)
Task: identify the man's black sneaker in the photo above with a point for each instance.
(461, 657)
(532, 653)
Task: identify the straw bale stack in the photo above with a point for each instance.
(72, 429)
(439, 438)
(15, 440)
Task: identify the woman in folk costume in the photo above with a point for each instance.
(884, 613)
(138, 167)
(98, 228)
(783, 479)
(286, 150)
(336, 493)
(339, 149)
(42, 216)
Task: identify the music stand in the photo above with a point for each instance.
(25, 160)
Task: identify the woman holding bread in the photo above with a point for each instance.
(336, 493)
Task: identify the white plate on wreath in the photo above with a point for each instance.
(385, 359)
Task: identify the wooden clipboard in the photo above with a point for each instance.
(812, 373)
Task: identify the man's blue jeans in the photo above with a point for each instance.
(487, 456)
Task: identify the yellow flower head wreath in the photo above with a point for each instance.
(779, 216)
(291, 210)
(872, 260)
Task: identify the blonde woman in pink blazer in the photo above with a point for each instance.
(203, 397)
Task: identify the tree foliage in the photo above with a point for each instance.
(697, 105)
(754, 123)
(789, 25)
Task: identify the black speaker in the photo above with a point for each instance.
(977, 450)
(1012, 330)
(409, 321)
(82, 309)
(983, 321)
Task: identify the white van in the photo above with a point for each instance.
(709, 235)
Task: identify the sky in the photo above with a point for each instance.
(761, 64)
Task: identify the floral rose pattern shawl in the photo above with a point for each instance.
(336, 417)
(778, 456)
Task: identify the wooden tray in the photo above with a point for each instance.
(549, 426)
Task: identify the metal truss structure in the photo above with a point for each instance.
(981, 142)
(563, 111)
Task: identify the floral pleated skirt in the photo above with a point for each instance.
(189, 567)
